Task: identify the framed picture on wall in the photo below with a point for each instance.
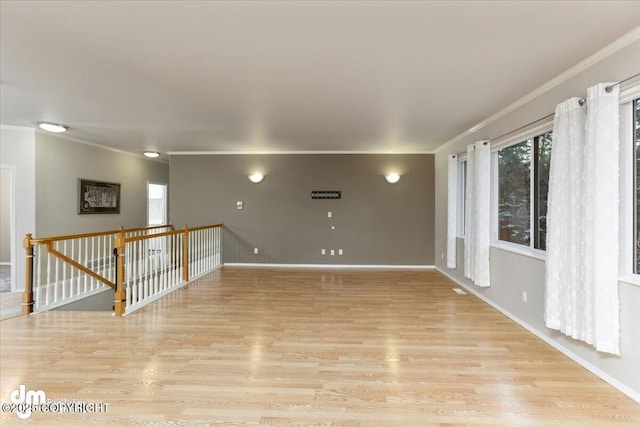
(97, 197)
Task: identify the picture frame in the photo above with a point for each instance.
(98, 197)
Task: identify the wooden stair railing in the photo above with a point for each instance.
(72, 265)
(146, 274)
(142, 256)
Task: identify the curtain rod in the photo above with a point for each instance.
(582, 102)
(610, 87)
(548, 116)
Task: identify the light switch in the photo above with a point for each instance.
(239, 205)
(329, 214)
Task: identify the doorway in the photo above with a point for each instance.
(156, 204)
(7, 231)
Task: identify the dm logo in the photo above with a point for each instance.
(26, 400)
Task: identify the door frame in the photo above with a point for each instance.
(166, 201)
(12, 225)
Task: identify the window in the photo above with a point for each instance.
(636, 181)
(514, 193)
(523, 184)
(542, 154)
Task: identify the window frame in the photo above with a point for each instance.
(527, 250)
(627, 179)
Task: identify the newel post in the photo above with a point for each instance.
(27, 295)
(185, 254)
(120, 295)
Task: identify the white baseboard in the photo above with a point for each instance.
(334, 266)
(562, 349)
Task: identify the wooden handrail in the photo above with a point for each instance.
(46, 240)
(152, 236)
(152, 227)
(170, 233)
(207, 226)
(79, 266)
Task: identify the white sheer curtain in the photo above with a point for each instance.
(469, 240)
(478, 219)
(581, 297)
(452, 220)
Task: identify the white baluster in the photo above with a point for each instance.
(38, 250)
(64, 271)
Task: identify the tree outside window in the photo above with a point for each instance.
(636, 121)
(514, 199)
(522, 208)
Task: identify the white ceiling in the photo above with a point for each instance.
(287, 76)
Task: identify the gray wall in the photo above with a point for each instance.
(99, 301)
(18, 150)
(512, 273)
(376, 223)
(61, 162)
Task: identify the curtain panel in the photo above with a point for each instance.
(452, 207)
(478, 217)
(581, 279)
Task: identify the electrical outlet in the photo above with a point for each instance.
(333, 252)
(323, 252)
(524, 296)
(255, 250)
(340, 252)
(329, 214)
(239, 205)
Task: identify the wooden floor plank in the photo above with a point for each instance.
(304, 347)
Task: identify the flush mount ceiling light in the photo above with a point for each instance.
(392, 178)
(256, 177)
(151, 154)
(52, 127)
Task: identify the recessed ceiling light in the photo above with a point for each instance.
(52, 127)
(152, 154)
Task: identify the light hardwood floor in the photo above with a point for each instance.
(304, 347)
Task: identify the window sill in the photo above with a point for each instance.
(632, 279)
(521, 250)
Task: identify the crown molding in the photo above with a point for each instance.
(610, 49)
(13, 127)
(269, 153)
(103, 147)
